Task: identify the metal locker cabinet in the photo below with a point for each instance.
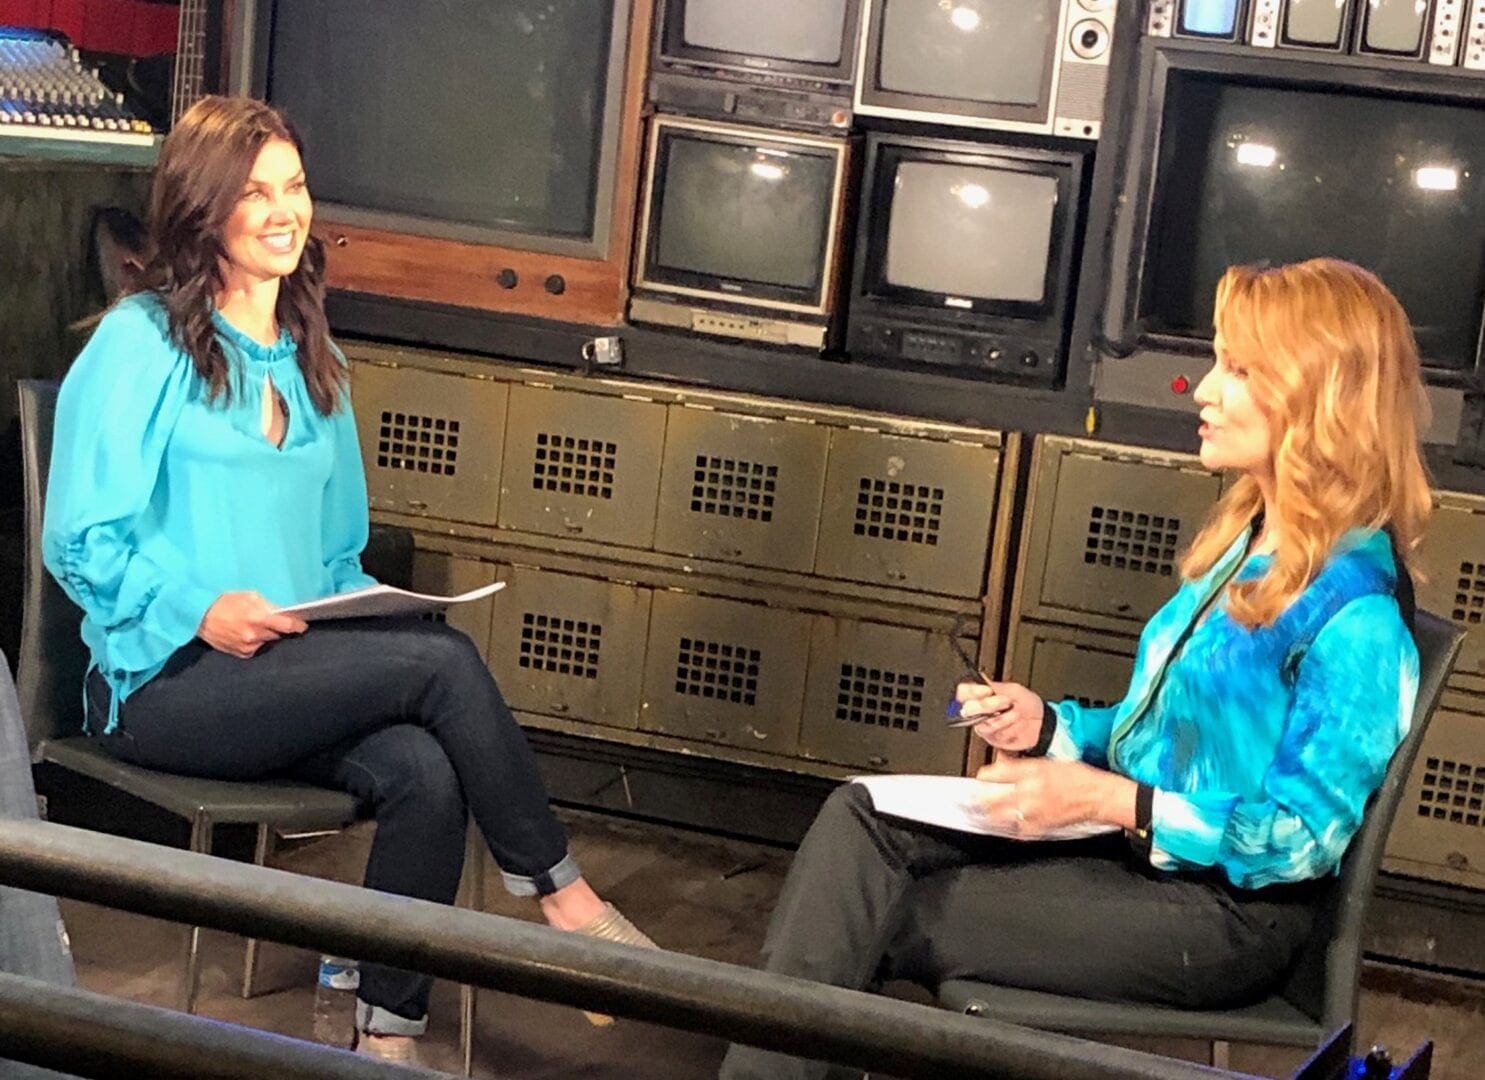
(1439, 831)
(725, 672)
(431, 441)
(1452, 557)
(582, 466)
(1105, 527)
(741, 488)
(1061, 662)
(877, 695)
(908, 512)
(568, 646)
(447, 575)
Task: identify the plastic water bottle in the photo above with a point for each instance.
(335, 1009)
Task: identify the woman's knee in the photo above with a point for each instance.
(846, 809)
(407, 765)
(847, 802)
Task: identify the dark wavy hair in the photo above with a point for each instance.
(204, 165)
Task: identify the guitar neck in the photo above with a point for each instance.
(190, 58)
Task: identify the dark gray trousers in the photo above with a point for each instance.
(870, 898)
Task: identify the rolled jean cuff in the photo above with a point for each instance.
(375, 1020)
(544, 884)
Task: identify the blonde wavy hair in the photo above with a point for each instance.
(1333, 366)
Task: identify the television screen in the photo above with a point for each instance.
(1395, 26)
(965, 230)
(809, 33)
(1319, 23)
(1255, 173)
(743, 211)
(489, 146)
(1210, 18)
(989, 51)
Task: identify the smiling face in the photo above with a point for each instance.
(265, 234)
(1235, 432)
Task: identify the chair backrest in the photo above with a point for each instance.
(53, 659)
(1325, 981)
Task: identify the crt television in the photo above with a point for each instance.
(475, 152)
(740, 231)
(766, 61)
(1430, 31)
(1014, 65)
(965, 257)
(1242, 160)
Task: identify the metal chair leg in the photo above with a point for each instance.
(467, 1000)
(200, 842)
(474, 899)
(250, 958)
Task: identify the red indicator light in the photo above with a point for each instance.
(1180, 384)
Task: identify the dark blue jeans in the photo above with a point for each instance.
(401, 713)
(870, 898)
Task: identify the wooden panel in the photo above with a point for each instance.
(451, 272)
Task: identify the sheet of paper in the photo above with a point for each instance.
(383, 600)
(952, 802)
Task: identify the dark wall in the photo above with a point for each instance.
(47, 283)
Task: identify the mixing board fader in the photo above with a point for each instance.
(51, 105)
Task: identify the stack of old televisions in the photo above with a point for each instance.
(1270, 131)
(900, 178)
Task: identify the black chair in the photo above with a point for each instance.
(50, 673)
(1319, 995)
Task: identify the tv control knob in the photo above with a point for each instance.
(1030, 359)
(555, 284)
(507, 278)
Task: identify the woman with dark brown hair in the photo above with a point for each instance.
(205, 473)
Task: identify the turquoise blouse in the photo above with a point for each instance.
(159, 501)
(1262, 745)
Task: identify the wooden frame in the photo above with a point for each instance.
(591, 291)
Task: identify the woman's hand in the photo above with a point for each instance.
(241, 623)
(1013, 714)
(1046, 794)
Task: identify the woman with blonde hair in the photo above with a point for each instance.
(1267, 697)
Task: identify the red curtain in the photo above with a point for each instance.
(127, 27)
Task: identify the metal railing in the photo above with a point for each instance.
(91, 1035)
(491, 951)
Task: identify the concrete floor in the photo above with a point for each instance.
(695, 893)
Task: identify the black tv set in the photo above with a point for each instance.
(1242, 160)
(767, 61)
(1013, 65)
(448, 143)
(965, 257)
(740, 231)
